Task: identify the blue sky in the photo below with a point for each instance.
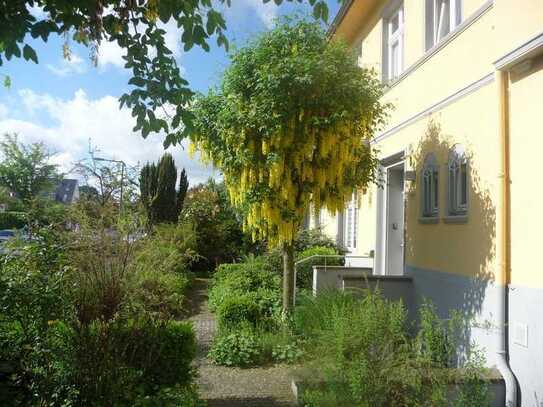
(63, 102)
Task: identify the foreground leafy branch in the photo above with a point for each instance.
(159, 95)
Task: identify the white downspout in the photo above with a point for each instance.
(503, 239)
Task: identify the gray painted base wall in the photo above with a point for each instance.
(526, 308)
(477, 299)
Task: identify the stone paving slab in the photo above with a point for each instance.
(230, 387)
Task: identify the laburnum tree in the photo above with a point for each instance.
(290, 127)
(137, 27)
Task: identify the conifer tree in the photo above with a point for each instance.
(164, 204)
(182, 191)
(148, 189)
(161, 201)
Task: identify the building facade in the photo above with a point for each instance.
(457, 208)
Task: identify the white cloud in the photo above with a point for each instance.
(241, 10)
(109, 53)
(79, 119)
(75, 64)
(3, 111)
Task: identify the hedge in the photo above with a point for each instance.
(12, 220)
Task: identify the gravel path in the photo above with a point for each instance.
(225, 386)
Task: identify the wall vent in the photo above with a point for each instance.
(520, 334)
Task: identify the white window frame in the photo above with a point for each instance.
(436, 19)
(394, 38)
(350, 229)
(458, 187)
(430, 187)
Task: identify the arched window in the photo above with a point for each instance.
(430, 187)
(458, 181)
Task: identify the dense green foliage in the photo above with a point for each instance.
(79, 328)
(26, 169)
(245, 293)
(220, 237)
(157, 190)
(12, 220)
(236, 348)
(362, 354)
(138, 27)
(246, 299)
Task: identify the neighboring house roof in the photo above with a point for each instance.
(67, 191)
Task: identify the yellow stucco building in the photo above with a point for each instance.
(459, 206)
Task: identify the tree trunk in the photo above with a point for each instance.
(288, 277)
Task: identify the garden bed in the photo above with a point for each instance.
(304, 379)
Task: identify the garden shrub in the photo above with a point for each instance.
(236, 348)
(247, 300)
(80, 324)
(436, 338)
(236, 310)
(161, 294)
(234, 279)
(218, 226)
(153, 345)
(114, 362)
(287, 353)
(32, 297)
(366, 357)
(169, 248)
(12, 220)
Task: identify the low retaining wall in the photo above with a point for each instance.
(393, 288)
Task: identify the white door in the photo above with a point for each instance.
(394, 226)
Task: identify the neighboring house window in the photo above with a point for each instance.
(393, 40)
(442, 17)
(430, 187)
(351, 221)
(458, 181)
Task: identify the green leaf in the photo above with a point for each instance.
(137, 81)
(7, 82)
(324, 12)
(29, 53)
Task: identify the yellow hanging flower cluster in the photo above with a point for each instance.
(279, 176)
